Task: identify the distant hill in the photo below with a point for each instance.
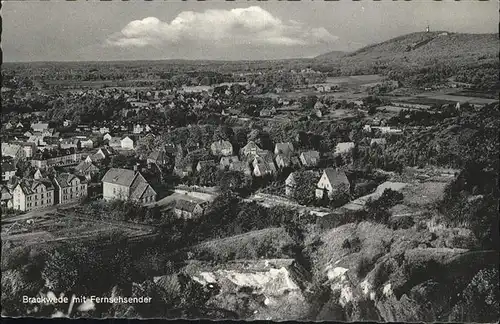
(431, 44)
(432, 56)
(331, 55)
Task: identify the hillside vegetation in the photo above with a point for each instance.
(422, 58)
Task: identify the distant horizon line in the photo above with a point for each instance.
(173, 59)
(234, 60)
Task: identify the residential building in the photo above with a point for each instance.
(344, 148)
(388, 130)
(224, 148)
(66, 143)
(251, 149)
(102, 154)
(283, 148)
(265, 158)
(378, 141)
(63, 160)
(309, 158)
(39, 127)
(158, 157)
(262, 169)
(290, 185)
(104, 130)
(189, 209)
(107, 137)
(241, 166)
(8, 170)
(226, 161)
(69, 188)
(331, 182)
(205, 164)
(15, 151)
(38, 175)
(86, 169)
(6, 199)
(127, 184)
(30, 194)
(283, 161)
(115, 142)
(127, 143)
(87, 143)
(138, 129)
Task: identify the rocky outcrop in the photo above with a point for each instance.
(255, 289)
(375, 273)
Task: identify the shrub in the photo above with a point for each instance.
(364, 266)
(401, 222)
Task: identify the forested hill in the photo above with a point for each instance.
(333, 55)
(426, 58)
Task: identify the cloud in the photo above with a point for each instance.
(252, 26)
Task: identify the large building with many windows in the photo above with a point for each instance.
(126, 184)
(30, 194)
(69, 188)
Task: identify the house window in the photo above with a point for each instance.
(36, 197)
(35, 203)
(42, 196)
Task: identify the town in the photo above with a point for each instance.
(341, 188)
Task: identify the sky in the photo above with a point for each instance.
(221, 30)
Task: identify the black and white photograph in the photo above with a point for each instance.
(250, 160)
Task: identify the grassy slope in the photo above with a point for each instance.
(450, 46)
(268, 242)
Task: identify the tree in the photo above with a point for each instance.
(305, 187)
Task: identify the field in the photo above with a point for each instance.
(355, 79)
(463, 99)
(61, 227)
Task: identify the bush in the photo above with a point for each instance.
(401, 222)
(353, 245)
(364, 266)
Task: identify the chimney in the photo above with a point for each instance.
(136, 167)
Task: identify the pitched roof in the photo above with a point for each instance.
(250, 147)
(138, 187)
(10, 149)
(344, 147)
(6, 195)
(379, 141)
(221, 145)
(207, 163)
(29, 185)
(284, 148)
(336, 176)
(8, 167)
(83, 167)
(310, 157)
(226, 160)
(123, 177)
(128, 136)
(64, 179)
(186, 205)
(239, 166)
(39, 126)
(157, 156)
